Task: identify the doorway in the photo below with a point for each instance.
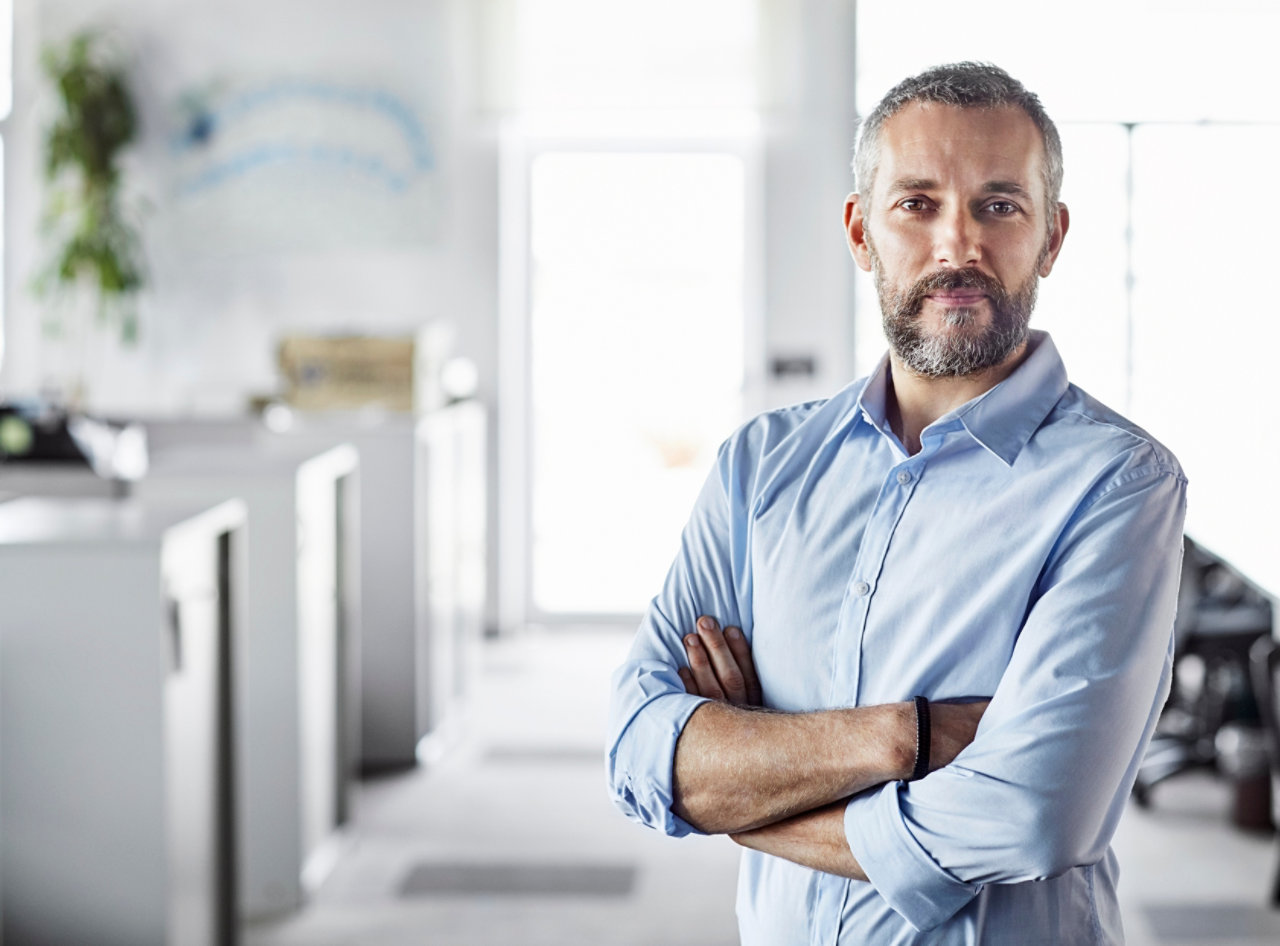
(637, 321)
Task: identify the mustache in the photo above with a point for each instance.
(945, 279)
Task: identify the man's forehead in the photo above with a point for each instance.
(925, 141)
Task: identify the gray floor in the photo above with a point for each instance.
(509, 840)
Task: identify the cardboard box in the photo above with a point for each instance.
(348, 372)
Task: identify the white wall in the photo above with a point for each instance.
(209, 322)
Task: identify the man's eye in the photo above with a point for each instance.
(912, 203)
(1003, 208)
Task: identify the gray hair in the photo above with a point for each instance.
(964, 85)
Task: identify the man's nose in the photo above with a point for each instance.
(957, 240)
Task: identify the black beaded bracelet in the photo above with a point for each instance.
(923, 732)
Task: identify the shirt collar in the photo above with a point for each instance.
(871, 399)
(1001, 419)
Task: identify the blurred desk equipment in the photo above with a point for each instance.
(46, 451)
(1211, 719)
(116, 721)
(298, 671)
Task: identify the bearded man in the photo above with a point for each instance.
(947, 592)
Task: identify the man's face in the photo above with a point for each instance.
(957, 235)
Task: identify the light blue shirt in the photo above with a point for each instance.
(1029, 552)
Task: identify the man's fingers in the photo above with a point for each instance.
(741, 651)
(704, 677)
(720, 664)
(723, 661)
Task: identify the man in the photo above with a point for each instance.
(961, 526)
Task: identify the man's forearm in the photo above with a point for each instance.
(737, 770)
(814, 839)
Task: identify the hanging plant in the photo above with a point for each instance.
(95, 246)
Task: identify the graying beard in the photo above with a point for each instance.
(955, 357)
(945, 357)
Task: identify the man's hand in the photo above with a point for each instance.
(952, 727)
(720, 665)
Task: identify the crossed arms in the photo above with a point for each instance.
(777, 782)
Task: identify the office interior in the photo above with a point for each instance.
(318, 544)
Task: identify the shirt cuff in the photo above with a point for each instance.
(901, 871)
(643, 760)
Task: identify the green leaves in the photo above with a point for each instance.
(95, 245)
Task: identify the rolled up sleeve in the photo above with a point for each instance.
(649, 706)
(1043, 785)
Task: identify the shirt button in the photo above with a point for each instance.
(904, 477)
(861, 588)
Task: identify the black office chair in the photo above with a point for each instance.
(1264, 661)
(1219, 618)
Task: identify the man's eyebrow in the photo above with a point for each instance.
(907, 184)
(1007, 187)
(912, 184)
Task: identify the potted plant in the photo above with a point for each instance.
(96, 252)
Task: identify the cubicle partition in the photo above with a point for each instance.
(117, 663)
(449, 544)
(299, 683)
(420, 595)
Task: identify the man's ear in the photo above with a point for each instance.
(1062, 220)
(856, 231)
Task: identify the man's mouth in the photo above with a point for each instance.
(957, 298)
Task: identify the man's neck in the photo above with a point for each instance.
(914, 401)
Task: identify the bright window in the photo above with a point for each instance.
(1092, 60)
(1205, 329)
(636, 330)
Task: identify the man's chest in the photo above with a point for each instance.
(874, 582)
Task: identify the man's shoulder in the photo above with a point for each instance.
(779, 441)
(1081, 426)
(783, 427)
(768, 428)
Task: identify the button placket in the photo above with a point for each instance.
(895, 494)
